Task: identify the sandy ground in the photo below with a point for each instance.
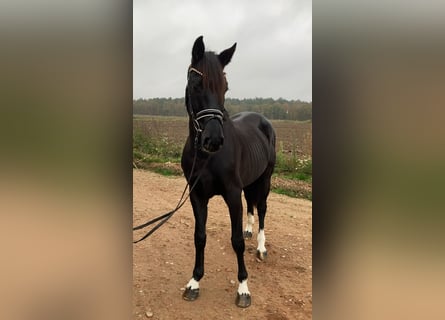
(281, 287)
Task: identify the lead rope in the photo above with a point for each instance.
(182, 200)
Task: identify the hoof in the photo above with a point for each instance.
(190, 294)
(261, 255)
(242, 300)
(247, 235)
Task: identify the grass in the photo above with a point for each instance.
(290, 166)
(165, 171)
(147, 151)
(292, 193)
(285, 191)
(163, 156)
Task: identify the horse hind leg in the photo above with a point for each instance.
(262, 208)
(250, 220)
(256, 196)
(261, 238)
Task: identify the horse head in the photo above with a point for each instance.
(206, 87)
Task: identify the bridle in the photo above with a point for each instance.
(209, 114)
(203, 114)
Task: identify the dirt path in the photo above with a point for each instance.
(281, 287)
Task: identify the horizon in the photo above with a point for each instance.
(273, 57)
(255, 98)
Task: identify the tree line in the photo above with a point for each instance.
(271, 108)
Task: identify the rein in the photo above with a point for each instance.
(181, 202)
(206, 113)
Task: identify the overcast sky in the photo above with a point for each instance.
(273, 57)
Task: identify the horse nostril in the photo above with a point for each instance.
(212, 144)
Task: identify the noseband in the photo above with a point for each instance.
(208, 114)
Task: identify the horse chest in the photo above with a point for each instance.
(211, 185)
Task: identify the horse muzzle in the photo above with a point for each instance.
(212, 133)
(212, 144)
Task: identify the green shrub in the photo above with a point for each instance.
(148, 150)
(289, 166)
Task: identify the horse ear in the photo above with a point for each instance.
(198, 50)
(226, 55)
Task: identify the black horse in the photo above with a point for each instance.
(228, 155)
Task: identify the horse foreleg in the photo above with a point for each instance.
(234, 203)
(200, 212)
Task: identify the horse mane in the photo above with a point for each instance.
(213, 76)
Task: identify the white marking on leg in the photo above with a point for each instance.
(261, 241)
(192, 284)
(242, 288)
(249, 223)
